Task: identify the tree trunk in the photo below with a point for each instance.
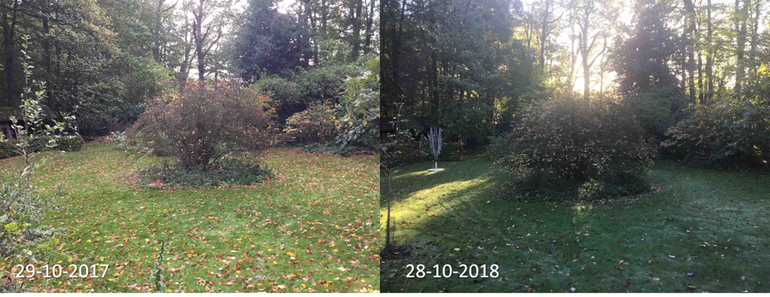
(355, 19)
(156, 33)
(309, 13)
(754, 38)
(740, 43)
(324, 16)
(9, 52)
(709, 56)
(691, 45)
(544, 35)
(369, 25)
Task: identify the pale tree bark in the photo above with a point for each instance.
(754, 38)
(586, 46)
(740, 25)
(157, 35)
(710, 55)
(545, 30)
(691, 47)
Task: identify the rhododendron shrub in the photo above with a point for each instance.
(569, 141)
(728, 133)
(202, 123)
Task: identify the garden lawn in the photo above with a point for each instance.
(704, 231)
(313, 228)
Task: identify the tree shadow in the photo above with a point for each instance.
(536, 242)
(412, 179)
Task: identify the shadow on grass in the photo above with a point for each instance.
(413, 179)
(706, 231)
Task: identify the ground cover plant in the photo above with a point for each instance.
(698, 231)
(313, 228)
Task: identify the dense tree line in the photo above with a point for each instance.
(104, 60)
(469, 66)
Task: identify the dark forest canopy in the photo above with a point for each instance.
(103, 60)
(471, 66)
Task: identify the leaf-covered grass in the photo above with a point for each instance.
(704, 231)
(312, 228)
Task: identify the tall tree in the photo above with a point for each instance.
(590, 24)
(740, 41)
(268, 41)
(10, 14)
(691, 46)
(209, 19)
(710, 54)
(546, 28)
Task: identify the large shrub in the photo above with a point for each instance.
(359, 123)
(202, 123)
(567, 142)
(731, 132)
(70, 143)
(7, 149)
(314, 125)
(657, 110)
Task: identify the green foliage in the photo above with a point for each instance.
(298, 90)
(471, 77)
(451, 151)
(21, 204)
(565, 141)
(658, 110)
(200, 124)
(268, 49)
(314, 125)
(643, 59)
(70, 143)
(359, 123)
(7, 149)
(402, 147)
(227, 172)
(464, 121)
(731, 132)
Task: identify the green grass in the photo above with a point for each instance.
(554, 248)
(313, 228)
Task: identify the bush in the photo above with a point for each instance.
(450, 151)
(359, 123)
(658, 110)
(41, 143)
(7, 149)
(564, 143)
(227, 172)
(314, 125)
(70, 143)
(727, 133)
(467, 120)
(201, 124)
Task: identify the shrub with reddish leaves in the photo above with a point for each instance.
(728, 133)
(567, 140)
(202, 123)
(313, 125)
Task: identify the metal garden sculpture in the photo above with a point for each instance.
(434, 137)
